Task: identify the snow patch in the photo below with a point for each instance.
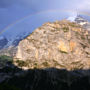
(72, 18)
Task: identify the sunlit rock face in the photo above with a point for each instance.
(61, 44)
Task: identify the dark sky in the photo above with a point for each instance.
(12, 11)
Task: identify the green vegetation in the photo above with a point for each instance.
(49, 79)
(35, 65)
(77, 33)
(58, 29)
(46, 64)
(73, 25)
(8, 87)
(63, 52)
(4, 59)
(21, 63)
(82, 37)
(65, 29)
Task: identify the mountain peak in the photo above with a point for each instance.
(72, 18)
(80, 20)
(60, 44)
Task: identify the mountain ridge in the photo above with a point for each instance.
(68, 40)
(10, 45)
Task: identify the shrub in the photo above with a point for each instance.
(5, 59)
(65, 29)
(8, 87)
(21, 63)
(63, 52)
(73, 25)
(46, 64)
(82, 37)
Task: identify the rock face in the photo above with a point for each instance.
(3, 42)
(85, 23)
(61, 44)
(8, 44)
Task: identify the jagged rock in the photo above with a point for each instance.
(3, 42)
(60, 44)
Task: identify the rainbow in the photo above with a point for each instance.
(20, 20)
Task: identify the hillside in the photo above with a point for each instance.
(61, 44)
(10, 39)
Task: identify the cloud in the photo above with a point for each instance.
(84, 5)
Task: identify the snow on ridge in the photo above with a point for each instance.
(72, 18)
(17, 37)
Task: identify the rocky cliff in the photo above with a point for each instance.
(61, 44)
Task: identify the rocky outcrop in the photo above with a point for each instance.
(61, 44)
(3, 42)
(82, 21)
(10, 51)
